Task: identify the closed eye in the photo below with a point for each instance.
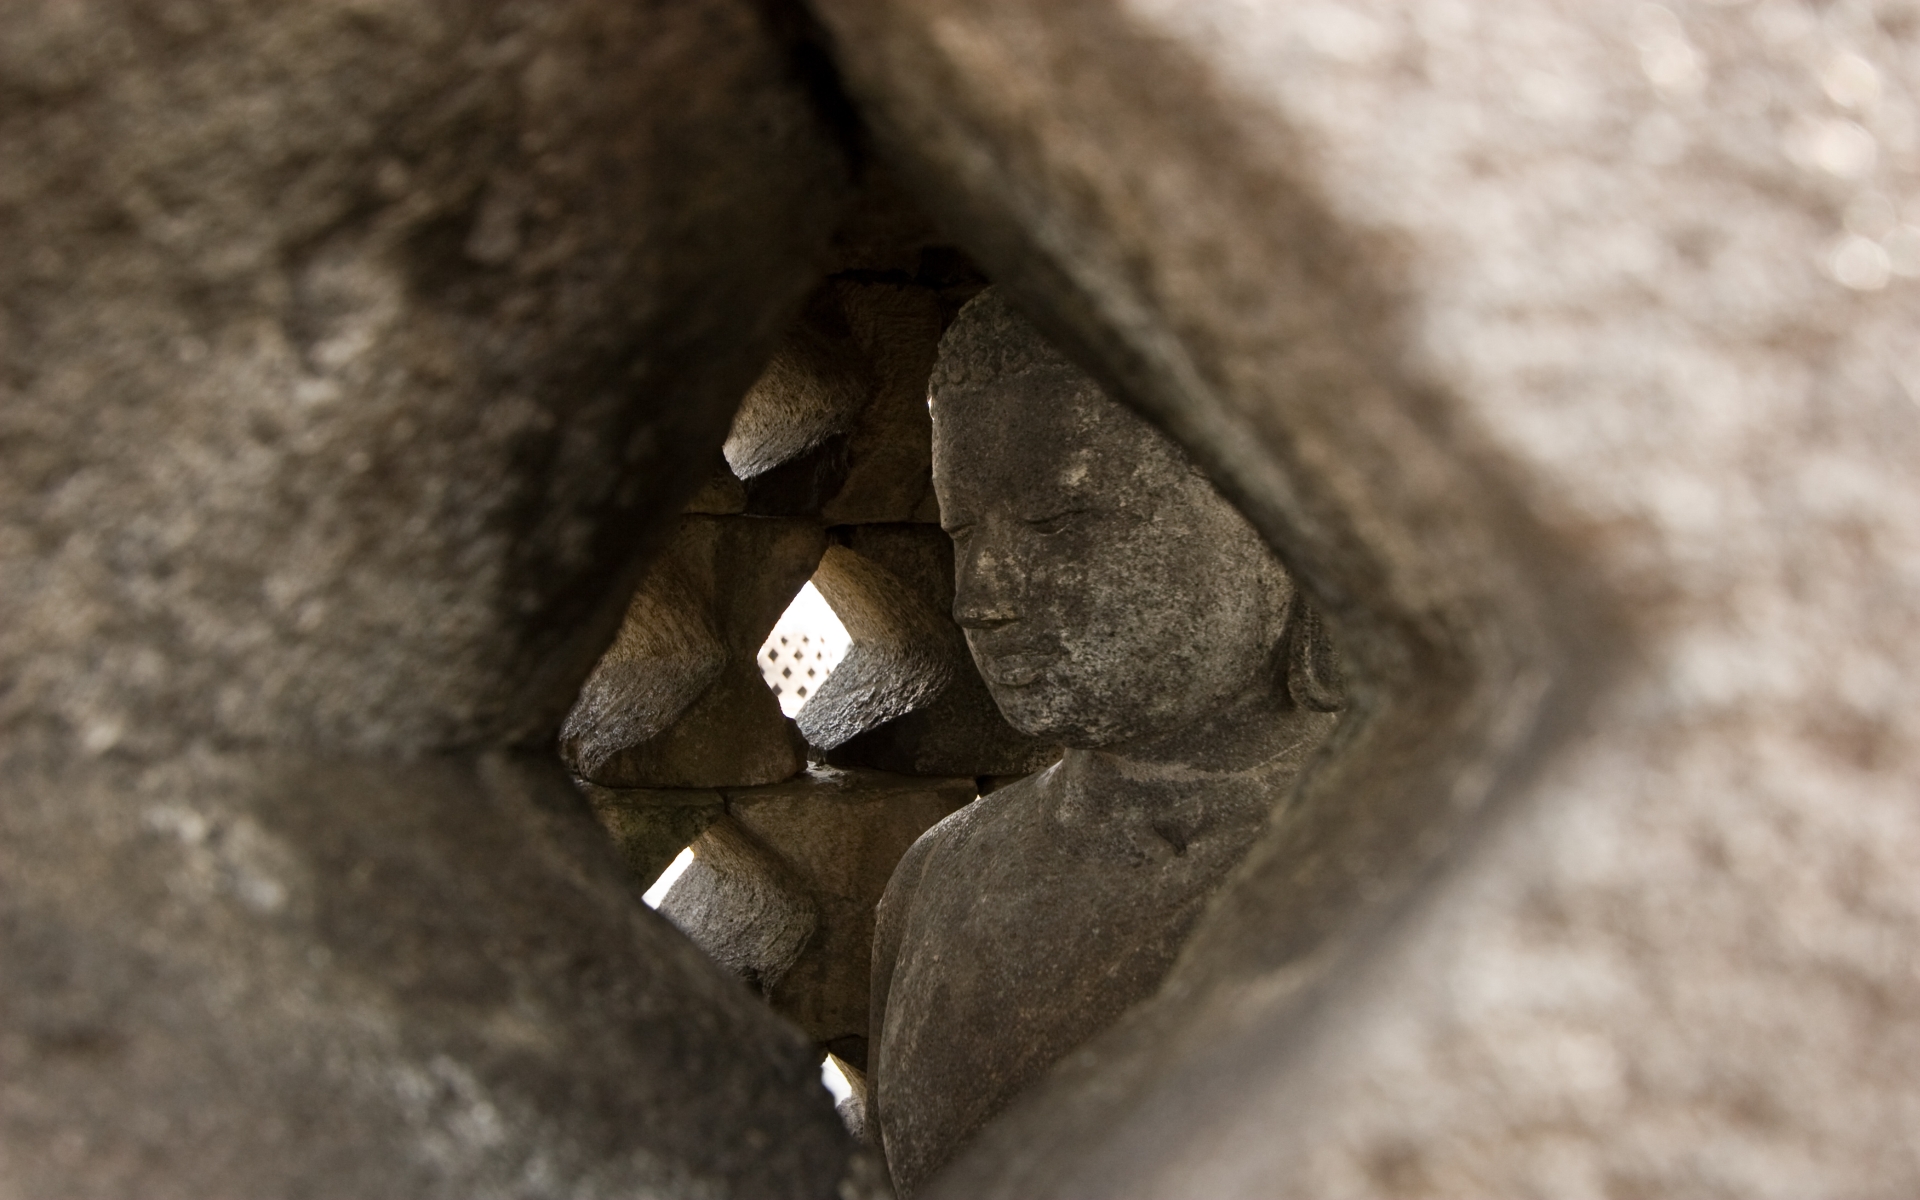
(1055, 522)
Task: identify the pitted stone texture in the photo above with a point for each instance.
(782, 889)
(651, 826)
(889, 447)
(1030, 921)
(841, 833)
(276, 975)
(1561, 350)
(355, 342)
(788, 441)
(677, 701)
(1107, 591)
(743, 905)
(1116, 603)
(837, 424)
(902, 651)
(897, 580)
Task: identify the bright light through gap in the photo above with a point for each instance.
(675, 869)
(806, 644)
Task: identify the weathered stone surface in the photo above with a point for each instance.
(897, 327)
(1560, 349)
(841, 833)
(651, 826)
(277, 974)
(721, 495)
(782, 889)
(355, 342)
(1115, 603)
(903, 651)
(852, 1107)
(788, 443)
(734, 733)
(900, 586)
(677, 701)
(350, 358)
(837, 424)
(742, 905)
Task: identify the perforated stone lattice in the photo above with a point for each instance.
(806, 644)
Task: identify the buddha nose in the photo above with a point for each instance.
(985, 586)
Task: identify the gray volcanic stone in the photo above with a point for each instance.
(837, 424)
(897, 327)
(651, 826)
(841, 833)
(356, 343)
(954, 731)
(275, 974)
(741, 904)
(677, 701)
(902, 651)
(1566, 352)
(352, 358)
(1116, 603)
(788, 443)
(782, 889)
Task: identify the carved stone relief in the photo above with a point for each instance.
(1116, 604)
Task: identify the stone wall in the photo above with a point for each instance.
(362, 364)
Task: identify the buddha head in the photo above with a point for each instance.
(1108, 592)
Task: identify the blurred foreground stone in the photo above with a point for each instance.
(1567, 353)
(352, 358)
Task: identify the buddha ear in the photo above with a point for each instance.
(1313, 665)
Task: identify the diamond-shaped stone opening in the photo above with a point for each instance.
(807, 643)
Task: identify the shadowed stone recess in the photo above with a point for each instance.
(677, 700)
(782, 889)
(897, 327)
(721, 495)
(649, 826)
(1117, 604)
(841, 833)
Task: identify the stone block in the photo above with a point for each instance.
(651, 826)
(889, 464)
(840, 832)
(837, 426)
(907, 697)
(721, 495)
(677, 701)
(783, 890)
(741, 904)
(788, 443)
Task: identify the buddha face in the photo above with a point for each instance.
(1108, 593)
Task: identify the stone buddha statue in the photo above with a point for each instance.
(1117, 605)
